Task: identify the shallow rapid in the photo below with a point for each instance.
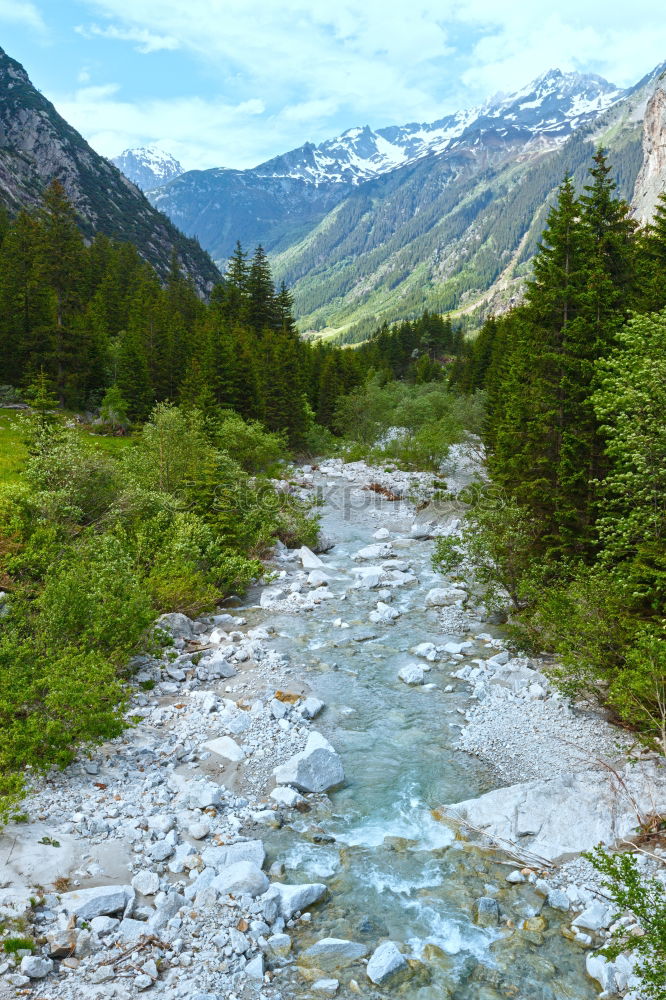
(394, 868)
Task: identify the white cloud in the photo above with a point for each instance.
(317, 66)
(22, 13)
(199, 132)
(145, 41)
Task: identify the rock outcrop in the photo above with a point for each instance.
(37, 146)
(651, 180)
(564, 816)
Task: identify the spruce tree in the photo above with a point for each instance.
(262, 312)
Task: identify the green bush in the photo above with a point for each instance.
(247, 442)
(645, 898)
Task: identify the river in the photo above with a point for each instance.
(393, 868)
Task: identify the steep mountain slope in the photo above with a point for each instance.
(455, 231)
(651, 181)
(37, 146)
(148, 167)
(279, 201)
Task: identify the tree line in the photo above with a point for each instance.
(573, 523)
(95, 316)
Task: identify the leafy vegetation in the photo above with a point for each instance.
(95, 546)
(645, 898)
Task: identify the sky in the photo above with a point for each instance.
(234, 82)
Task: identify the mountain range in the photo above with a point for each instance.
(37, 146)
(148, 167)
(373, 226)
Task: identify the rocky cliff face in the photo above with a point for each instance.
(651, 180)
(37, 146)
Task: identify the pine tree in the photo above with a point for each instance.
(261, 305)
(61, 266)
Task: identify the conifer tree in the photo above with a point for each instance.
(262, 312)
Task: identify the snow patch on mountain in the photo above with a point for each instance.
(553, 105)
(148, 167)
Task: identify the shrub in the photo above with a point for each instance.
(645, 898)
(247, 442)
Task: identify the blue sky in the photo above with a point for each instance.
(234, 82)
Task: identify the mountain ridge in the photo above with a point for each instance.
(37, 146)
(148, 167)
(433, 218)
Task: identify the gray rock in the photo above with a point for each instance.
(412, 674)
(255, 968)
(293, 898)
(217, 665)
(62, 943)
(36, 967)
(279, 945)
(230, 854)
(594, 918)
(317, 768)
(486, 911)
(225, 747)
(562, 816)
(385, 962)
(168, 909)
(326, 987)
(131, 930)
(179, 626)
(102, 974)
(160, 850)
(333, 953)
(101, 901)
(103, 925)
(515, 878)
(201, 794)
(558, 900)
(286, 796)
(440, 597)
(146, 882)
(200, 830)
(311, 707)
(308, 559)
(242, 877)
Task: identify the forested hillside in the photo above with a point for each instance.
(94, 316)
(572, 523)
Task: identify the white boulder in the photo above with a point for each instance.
(225, 747)
(384, 962)
(242, 878)
(146, 882)
(291, 899)
(563, 816)
(315, 769)
(36, 967)
(308, 559)
(331, 953)
(412, 674)
(84, 904)
(440, 597)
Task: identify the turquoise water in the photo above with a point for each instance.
(394, 870)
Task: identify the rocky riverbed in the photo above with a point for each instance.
(345, 786)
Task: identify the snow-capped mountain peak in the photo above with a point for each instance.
(148, 167)
(550, 108)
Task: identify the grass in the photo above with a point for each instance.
(12, 945)
(13, 452)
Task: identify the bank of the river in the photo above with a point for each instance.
(171, 862)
